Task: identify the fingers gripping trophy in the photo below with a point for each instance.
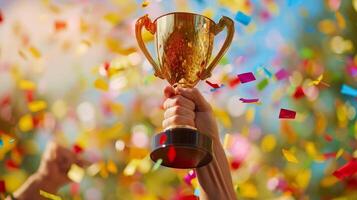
(183, 43)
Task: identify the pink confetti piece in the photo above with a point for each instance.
(346, 170)
(214, 85)
(243, 100)
(246, 77)
(281, 74)
(287, 114)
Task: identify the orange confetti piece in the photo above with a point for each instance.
(60, 25)
(289, 156)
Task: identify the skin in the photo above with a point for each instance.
(52, 173)
(186, 106)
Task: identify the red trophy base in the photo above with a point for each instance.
(182, 148)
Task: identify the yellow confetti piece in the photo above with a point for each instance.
(36, 106)
(303, 178)
(223, 117)
(112, 18)
(289, 156)
(355, 5)
(75, 173)
(327, 26)
(101, 84)
(250, 115)
(131, 167)
(116, 47)
(317, 81)
(248, 190)
(49, 195)
(226, 140)
(145, 3)
(339, 153)
(27, 85)
(35, 52)
(112, 168)
(26, 123)
(268, 143)
(93, 169)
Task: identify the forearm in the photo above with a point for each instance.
(31, 188)
(215, 178)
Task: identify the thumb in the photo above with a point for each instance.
(194, 95)
(169, 91)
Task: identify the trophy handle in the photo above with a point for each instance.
(223, 22)
(145, 21)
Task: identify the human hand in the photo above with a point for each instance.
(55, 164)
(187, 106)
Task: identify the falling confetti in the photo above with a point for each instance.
(145, 3)
(346, 170)
(242, 18)
(214, 85)
(1, 143)
(281, 74)
(262, 84)
(246, 77)
(36, 106)
(348, 90)
(49, 195)
(289, 156)
(157, 164)
(287, 114)
(60, 25)
(243, 100)
(75, 173)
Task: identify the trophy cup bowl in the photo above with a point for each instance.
(183, 43)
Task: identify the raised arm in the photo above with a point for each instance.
(186, 106)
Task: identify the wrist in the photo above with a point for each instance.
(44, 182)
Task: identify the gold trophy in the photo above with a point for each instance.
(183, 43)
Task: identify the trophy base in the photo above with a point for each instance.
(182, 148)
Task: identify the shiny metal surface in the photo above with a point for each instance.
(184, 43)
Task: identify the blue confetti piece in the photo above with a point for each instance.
(242, 18)
(197, 192)
(1, 143)
(348, 90)
(267, 72)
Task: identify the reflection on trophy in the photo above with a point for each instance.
(183, 43)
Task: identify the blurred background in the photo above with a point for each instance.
(72, 71)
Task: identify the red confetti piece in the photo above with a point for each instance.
(235, 165)
(1, 17)
(329, 155)
(60, 25)
(346, 170)
(2, 186)
(287, 114)
(163, 139)
(171, 154)
(246, 77)
(328, 138)
(299, 92)
(10, 164)
(77, 149)
(214, 85)
(248, 100)
(189, 197)
(234, 82)
(29, 95)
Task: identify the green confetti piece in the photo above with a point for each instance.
(157, 165)
(262, 84)
(306, 53)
